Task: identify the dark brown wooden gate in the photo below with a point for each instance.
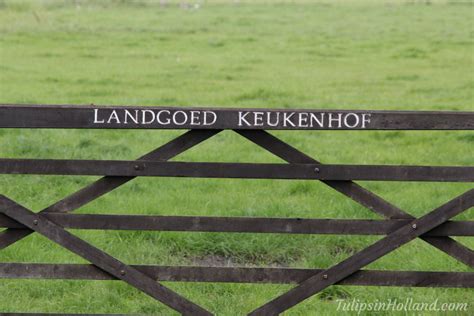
(399, 227)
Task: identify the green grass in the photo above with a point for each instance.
(392, 55)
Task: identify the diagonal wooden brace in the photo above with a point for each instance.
(357, 193)
(375, 251)
(107, 184)
(42, 225)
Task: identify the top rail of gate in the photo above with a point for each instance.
(134, 117)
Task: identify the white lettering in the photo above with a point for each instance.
(346, 121)
(286, 119)
(96, 120)
(313, 118)
(303, 119)
(365, 119)
(175, 120)
(113, 116)
(158, 117)
(338, 119)
(269, 122)
(129, 115)
(195, 118)
(242, 118)
(209, 113)
(144, 112)
(258, 118)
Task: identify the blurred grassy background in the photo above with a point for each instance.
(396, 55)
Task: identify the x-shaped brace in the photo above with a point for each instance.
(338, 272)
(357, 193)
(89, 252)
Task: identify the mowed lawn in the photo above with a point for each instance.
(393, 55)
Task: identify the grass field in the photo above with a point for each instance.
(284, 54)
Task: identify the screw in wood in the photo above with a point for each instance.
(136, 167)
(414, 226)
(122, 272)
(325, 276)
(35, 222)
(316, 170)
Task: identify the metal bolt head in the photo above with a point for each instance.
(316, 170)
(325, 276)
(122, 272)
(136, 167)
(35, 222)
(413, 226)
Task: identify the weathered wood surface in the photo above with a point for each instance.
(303, 171)
(241, 224)
(238, 275)
(87, 116)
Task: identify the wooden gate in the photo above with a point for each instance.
(399, 227)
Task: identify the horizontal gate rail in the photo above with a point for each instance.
(235, 170)
(241, 224)
(238, 275)
(104, 117)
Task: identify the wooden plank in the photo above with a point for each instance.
(107, 117)
(338, 272)
(238, 275)
(42, 225)
(152, 168)
(107, 184)
(357, 193)
(235, 170)
(241, 224)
